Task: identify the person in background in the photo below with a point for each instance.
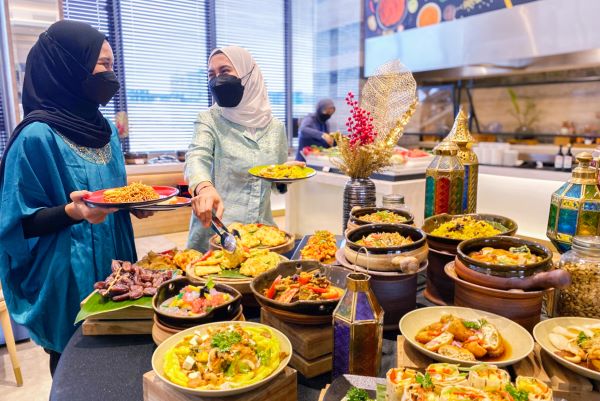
(53, 247)
(233, 135)
(314, 129)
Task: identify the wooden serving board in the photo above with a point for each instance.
(312, 345)
(565, 384)
(96, 327)
(282, 388)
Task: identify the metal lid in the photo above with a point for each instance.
(590, 242)
(393, 199)
(584, 171)
(446, 149)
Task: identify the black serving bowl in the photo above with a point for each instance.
(335, 274)
(503, 242)
(171, 288)
(356, 214)
(449, 244)
(383, 259)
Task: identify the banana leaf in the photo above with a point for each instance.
(97, 305)
(232, 273)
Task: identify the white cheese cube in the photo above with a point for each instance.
(188, 363)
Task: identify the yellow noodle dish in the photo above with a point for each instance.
(223, 357)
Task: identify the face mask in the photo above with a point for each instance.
(101, 87)
(324, 116)
(227, 90)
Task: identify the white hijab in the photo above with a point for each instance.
(254, 111)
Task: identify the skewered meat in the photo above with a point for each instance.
(129, 281)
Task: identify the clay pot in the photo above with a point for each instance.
(355, 216)
(523, 307)
(385, 259)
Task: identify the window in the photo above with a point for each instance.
(164, 50)
(261, 31)
(98, 14)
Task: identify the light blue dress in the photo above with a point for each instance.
(222, 152)
(44, 279)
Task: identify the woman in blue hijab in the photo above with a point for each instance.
(52, 246)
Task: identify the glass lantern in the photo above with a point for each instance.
(444, 181)
(575, 206)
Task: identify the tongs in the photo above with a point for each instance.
(228, 241)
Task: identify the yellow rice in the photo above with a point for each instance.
(465, 228)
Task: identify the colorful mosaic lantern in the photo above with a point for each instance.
(575, 207)
(444, 181)
(357, 329)
(461, 136)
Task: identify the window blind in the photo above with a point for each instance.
(97, 13)
(303, 56)
(164, 49)
(259, 29)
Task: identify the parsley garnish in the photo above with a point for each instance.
(517, 395)
(357, 394)
(225, 339)
(424, 380)
(476, 325)
(581, 338)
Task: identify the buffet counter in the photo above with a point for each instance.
(518, 193)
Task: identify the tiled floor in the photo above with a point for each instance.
(33, 359)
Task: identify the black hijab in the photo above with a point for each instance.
(58, 63)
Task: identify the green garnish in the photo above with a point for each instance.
(424, 380)
(357, 394)
(476, 325)
(517, 395)
(581, 338)
(519, 249)
(225, 339)
(210, 284)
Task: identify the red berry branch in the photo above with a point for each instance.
(359, 124)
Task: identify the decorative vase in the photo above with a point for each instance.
(444, 181)
(357, 192)
(575, 206)
(461, 136)
(357, 329)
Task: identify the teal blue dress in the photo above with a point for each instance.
(45, 278)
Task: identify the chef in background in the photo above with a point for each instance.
(314, 129)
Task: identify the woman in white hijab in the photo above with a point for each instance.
(235, 134)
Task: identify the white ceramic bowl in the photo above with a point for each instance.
(519, 340)
(159, 353)
(543, 328)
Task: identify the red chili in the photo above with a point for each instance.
(271, 292)
(318, 290)
(206, 256)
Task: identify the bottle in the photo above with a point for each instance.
(559, 159)
(568, 161)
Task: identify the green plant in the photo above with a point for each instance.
(526, 115)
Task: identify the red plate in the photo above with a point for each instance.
(174, 203)
(97, 198)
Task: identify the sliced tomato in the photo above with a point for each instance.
(304, 279)
(271, 291)
(317, 289)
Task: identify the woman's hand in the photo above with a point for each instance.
(142, 214)
(207, 200)
(295, 163)
(328, 138)
(78, 210)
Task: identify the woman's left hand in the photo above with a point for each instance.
(142, 214)
(295, 163)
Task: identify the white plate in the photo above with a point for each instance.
(159, 353)
(519, 340)
(541, 331)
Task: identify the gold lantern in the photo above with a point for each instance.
(461, 136)
(357, 329)
(444, 180)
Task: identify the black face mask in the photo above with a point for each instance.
(101, 87)
(227, 90)
(324, 116)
